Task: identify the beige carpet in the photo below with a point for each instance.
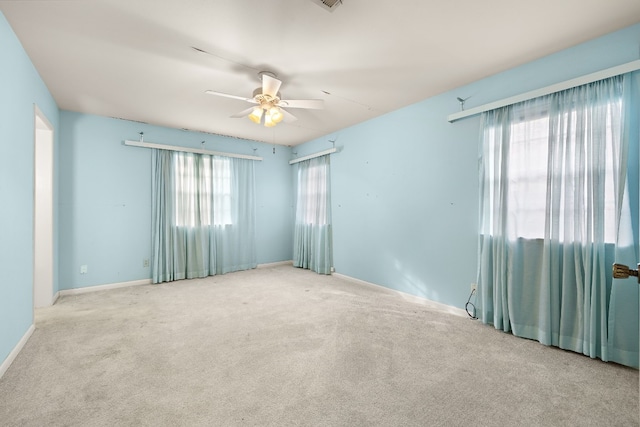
(286, 347)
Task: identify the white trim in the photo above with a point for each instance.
(16, 350)
(55, 298)
(568, 84)
(275, 264)
(106, 287)
(188, 150)
(41, 115)
(313, 156)
(421, 300)
(47, 233)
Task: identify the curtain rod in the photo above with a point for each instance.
(312, 156)
(188, 150)
(568, 84)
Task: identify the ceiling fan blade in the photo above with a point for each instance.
(243, 113)
(226, 95)
(288, 117)
(270, 85)
(315, 104)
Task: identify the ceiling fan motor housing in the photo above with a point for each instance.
(265, 101)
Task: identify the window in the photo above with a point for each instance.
(553, 185)
(221, 190)
(529, 171)
(203, 190)
(202, 215)
(312, 239)
(312, 194)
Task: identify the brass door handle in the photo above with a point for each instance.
(621, 271)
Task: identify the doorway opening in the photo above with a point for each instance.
(43, 212)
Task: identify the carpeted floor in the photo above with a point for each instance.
(280, 346)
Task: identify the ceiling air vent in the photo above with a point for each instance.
(329, 5)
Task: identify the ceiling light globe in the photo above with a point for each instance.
(256, 115)
(268, 122)
(276, 114)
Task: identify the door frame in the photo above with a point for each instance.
(43, 224)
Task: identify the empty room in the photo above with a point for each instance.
(319, 213)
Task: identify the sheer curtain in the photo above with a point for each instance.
(312, 244)
(203, 219)
(552, 186)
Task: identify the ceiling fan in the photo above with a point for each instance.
(269, 106)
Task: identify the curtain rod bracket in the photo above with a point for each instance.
(461, 101)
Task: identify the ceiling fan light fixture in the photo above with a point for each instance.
(256, 115)
(268, 122)
(269, 108)
(276, 114)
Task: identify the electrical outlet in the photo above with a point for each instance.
(474, 287)
(83, 269)
(145, 263)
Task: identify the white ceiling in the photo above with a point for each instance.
(133, 59)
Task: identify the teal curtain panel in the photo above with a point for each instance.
(203, 215)
(312, 244)
(555, 215)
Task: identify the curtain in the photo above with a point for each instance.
(552, 210)
(203, 215)
(624, 333)
(312, 244)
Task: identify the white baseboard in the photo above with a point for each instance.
(420, 300)
(16, 350)
(104, 287)
(275, 264)
(96, 288)
(55, 297)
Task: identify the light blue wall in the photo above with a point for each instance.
(404, 185)
(105, 197)
(20, 89)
